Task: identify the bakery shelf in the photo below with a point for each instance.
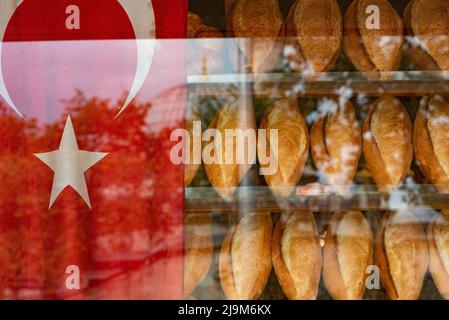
(277, 85)
(363, 197)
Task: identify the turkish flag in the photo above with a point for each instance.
(111, 72)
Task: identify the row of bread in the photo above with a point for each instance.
(398, 257)
(371, 34)
(387, 139)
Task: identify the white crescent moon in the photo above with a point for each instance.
(141, 15)
(7, 9)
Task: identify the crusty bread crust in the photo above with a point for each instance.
(419, 57)
(353, 45)
(296, 254)
(260, 29)
(315, 31)
(199, 250)
(430, 141)
(387, 143)
(293, 145)
(226, 177)
(373, 50)
(429, 22)
(348, 251)
(383, 45)
(336, 146)
(438, 239)
(245, 257)
(194, 24)
(401, 254)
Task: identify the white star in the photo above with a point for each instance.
(69, 164)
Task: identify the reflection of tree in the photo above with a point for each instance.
(126, 189)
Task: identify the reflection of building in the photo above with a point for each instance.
(167, 110)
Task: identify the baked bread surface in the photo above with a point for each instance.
(296, 255)
(373, 50)
(401, 254)
(199, 250)
(292, 145)
(387, 142)
(245, 257)
(225, 177)
(260, 31)
(348, 251)
(429, 23)
(438, 239)
(415, 49)
(315, 32)
(336, 145)
(431, 134)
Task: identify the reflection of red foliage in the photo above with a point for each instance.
(128, 246)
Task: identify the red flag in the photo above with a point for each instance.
(91, 206)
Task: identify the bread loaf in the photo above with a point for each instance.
(401, 254)
(438, 239)
(225, 177)
(348, 251)
(205, 49)
(431, 134)
(198, 250)
(245, 258)
(292, 146)
(336, 145)
(373, 49)
(260, 32)
(427, 26)
(297, 255)
(314, 35)
(387, 142)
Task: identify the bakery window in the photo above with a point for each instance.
(343, 189)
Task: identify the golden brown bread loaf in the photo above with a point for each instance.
(431, 133)
(296, 255)
(387, 142)
(194, 24)
(191, 168)
(260, 32)
(438, 239)
(245, 258)
(373, 50)
(427, 25)
(204, 55)
(225, 177)
(292, 146)
(348, 251)
(314, 35)
(199, 250)
(336, 145)
(401, 254)
(415, 50)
